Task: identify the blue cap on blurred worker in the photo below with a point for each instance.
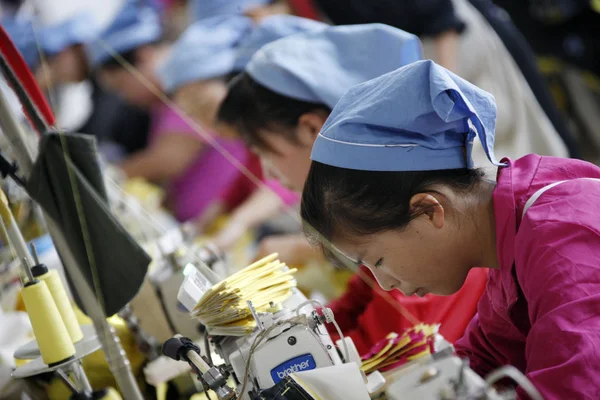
(79, 29)
(271, 29)
(201, 9)
(319, 67)
(421, 117)
(21, 32)
(206, 50)
(133, 27)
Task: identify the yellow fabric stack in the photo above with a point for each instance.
(224, 309)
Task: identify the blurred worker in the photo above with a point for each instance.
(195, 75)
(185, 160)
(456, 35)
(564, 35)
(524, 57)
(267, 200)
(255, 9)
(433, 19)
(56, 54)
(279, 105)
(393, 186)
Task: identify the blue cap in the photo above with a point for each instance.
(271, 29)
(133, 27)
(206, 50)
(21, 32)
(200, 9)
(319, 67)
(421, 117)
(79, 29)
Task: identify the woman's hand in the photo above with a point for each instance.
(167, 158)
(229, 235)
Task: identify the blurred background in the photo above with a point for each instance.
(540, 59)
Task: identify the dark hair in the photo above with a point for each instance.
(113, 63)
(350, 203)
(251, 108)
(129, 57)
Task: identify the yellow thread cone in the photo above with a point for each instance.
(48, 327)
(54, 283)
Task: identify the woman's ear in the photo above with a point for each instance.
(429, 206)
(309, 126)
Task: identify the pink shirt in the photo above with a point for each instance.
(207, 179)
(541, 309)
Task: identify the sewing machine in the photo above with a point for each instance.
(290, 339)
(293, 339)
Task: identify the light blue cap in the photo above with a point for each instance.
(201, 9)
(79, 29)
(271, 29)
(206, 50)
(21, 32)
(133, 27)
(319, 67)
(421, 117)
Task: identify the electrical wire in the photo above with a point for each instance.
(298, 320)
(329, 318)
(511, 372)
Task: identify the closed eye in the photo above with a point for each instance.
(378, 263)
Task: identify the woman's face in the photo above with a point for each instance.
(287, 162)
(431, 255)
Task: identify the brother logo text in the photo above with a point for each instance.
(304, 362)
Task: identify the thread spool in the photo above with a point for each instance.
(48, 327)
(59, 294)
(63, 303)
(108, 394)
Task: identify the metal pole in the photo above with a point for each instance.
(14, 132)
(111, 345)
(80, 377)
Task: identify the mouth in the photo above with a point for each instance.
(420, 292)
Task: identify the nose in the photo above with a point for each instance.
(385, 281)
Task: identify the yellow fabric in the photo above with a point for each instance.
(149, 195)
(223, 308)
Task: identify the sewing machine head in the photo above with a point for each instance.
(283, 343)
(289, 338)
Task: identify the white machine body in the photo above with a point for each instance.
(437, 379)
(289, 347)
(295, 349)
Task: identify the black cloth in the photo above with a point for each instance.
(67, 183)
(565, 29)
(524, 56)
(116, 121)
(419, 17)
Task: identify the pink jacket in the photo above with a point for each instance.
(541, 309)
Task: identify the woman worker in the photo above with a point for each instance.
(279, 104)
(250, 205)
(194, 172)
(392, 186)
